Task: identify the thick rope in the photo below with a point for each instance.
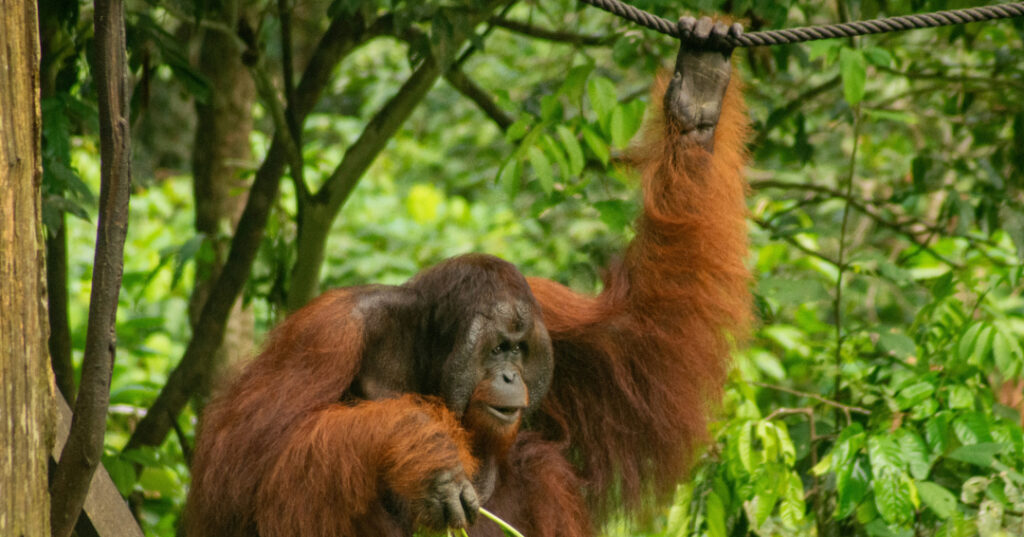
(828, 31)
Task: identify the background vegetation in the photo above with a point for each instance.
(879, 395)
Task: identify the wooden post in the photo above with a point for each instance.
(26, 384)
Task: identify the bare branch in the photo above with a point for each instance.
(869, 210)
(764, 224)
(341, 38)
(84, 447)
(559, 36)
(816, 397)
(471, 90)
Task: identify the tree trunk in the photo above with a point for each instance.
(220, 154)
(26, 390)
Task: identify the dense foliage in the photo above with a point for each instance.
(886, 216)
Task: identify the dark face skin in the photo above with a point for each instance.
(500, 369)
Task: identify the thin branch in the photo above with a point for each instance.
(865, 207)
(84, 447)
(559, 36)
(779, 412)
(837, 309)
(779, 115)
(282, 127)
(471, 90)
(816, 397)
(764, 224)
(294, 129)
(341, 38)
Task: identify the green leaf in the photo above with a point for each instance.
(853, 69)
(715, 516)
(616, 214)
(982, 454)
(122, 473)
(915, 453)
(850, 440)
(572, 86)
(510, 177)
(878, 56)
(892, 495)
(161, 481)
(572, 148)
(792, 508)
(898, 343)
(617, 128)
(852, 482)
(960, 397)
(597, 145)
(937, 498)
(1007, 352)
(769, 440)
(601, 92)
(936, 431)
(744, 447)
(518, 129)
(885, 455)
(542, 169)
(766, 485)
(184, 255)
(972, 428)
(914, 394)
(968, 340)
(553, 150)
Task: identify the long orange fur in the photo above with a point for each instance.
(638, 370)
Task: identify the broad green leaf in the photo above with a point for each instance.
(542, 169)
(1007, 352)
(572, 86)
(914, 394)
(915, 453)
(892, 495)
(960, 397)
(744, 447)
(572, 148)
(161, 481)
(518, 129)
(766, 487)
(898, 343)
(786, 448)
(715, 516)
(823, 466)
(552, 149)
(184, 255)
(122, 473)
(769, 440)
(853, 69)
(979, 454)
(852, 482)
(850, 440)
(601, 92)
(937, 498)
(983, 346)
(936, 431)
(968, 340)
(878, 56)
(510, 177)
(616, 214)
(597, 145)
(885, 455)
(617, 128)
(972, 428)
(792, 507)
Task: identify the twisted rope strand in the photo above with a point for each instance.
(828, 31)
